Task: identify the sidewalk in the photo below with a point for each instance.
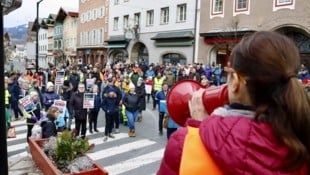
(22, 164)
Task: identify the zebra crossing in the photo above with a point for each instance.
(119, 156)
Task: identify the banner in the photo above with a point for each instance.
(61, 105)
(89, 100)
(60, 78)
(27, 104)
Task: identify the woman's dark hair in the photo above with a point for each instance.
(269, 62)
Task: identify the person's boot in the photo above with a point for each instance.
(133, 133)
(140, 118)
(111, 136)
(130, 133)
(105, 138)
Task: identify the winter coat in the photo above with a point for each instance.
(140, 90)
(97, 103)
(49, 98)
(49, 127)
(14, 90)
(131, 102)
(76, 105)
(237, 143)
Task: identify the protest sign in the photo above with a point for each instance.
(27, 104)
(60, 78)
(89, 100)
(61, 105)
(89, 83)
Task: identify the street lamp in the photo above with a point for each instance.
(37, 37)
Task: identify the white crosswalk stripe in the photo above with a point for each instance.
(119, 155)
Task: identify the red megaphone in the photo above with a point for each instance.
(181, 93)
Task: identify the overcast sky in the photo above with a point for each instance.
(27, 12)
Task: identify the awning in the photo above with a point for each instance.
(173, 44)
(111, 46)
(116, 38)
(174, 35)
(225, 36)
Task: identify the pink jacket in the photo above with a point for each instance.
(238, 144)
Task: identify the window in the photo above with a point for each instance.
(218, 6)
(115, 23)
(137, 19)
(181, 13)
(116, 2)
(164, 15)
(241, 4)
(282, 4)
(241, 7)
(125, 21)
(150, 17)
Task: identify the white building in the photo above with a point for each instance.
(159, 31)
(43, 44)
(70, 33)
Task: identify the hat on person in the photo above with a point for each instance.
(33, 93)
(66, 83)
(49, 84)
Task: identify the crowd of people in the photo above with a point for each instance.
(262, 130)
(122, 91)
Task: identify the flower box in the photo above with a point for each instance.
(46, 165)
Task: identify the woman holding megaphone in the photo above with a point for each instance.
(264, 128)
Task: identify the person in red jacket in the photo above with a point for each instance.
(265, 128)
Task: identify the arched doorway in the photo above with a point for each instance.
(174, 58)
(118, 55)
(302, 40)
(139, 53)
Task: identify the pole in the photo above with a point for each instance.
(37, 37)
(196, 37)
(3, 143)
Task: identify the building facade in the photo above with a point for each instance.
(69, 35)
(152, 31)
(50, 22)
(92, 31)
(43, 44)
(223, 23)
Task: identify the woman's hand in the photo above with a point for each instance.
(196, 107)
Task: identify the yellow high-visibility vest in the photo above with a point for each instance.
(158, 82)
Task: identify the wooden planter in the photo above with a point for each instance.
(48, 168)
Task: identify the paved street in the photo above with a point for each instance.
(119, 156)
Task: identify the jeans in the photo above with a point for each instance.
(131, 119)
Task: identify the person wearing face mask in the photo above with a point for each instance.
(265, 127)
(77, 110)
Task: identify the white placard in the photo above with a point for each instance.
(89, 100)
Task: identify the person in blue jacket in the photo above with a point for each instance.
(161, 96)
(93, 113)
